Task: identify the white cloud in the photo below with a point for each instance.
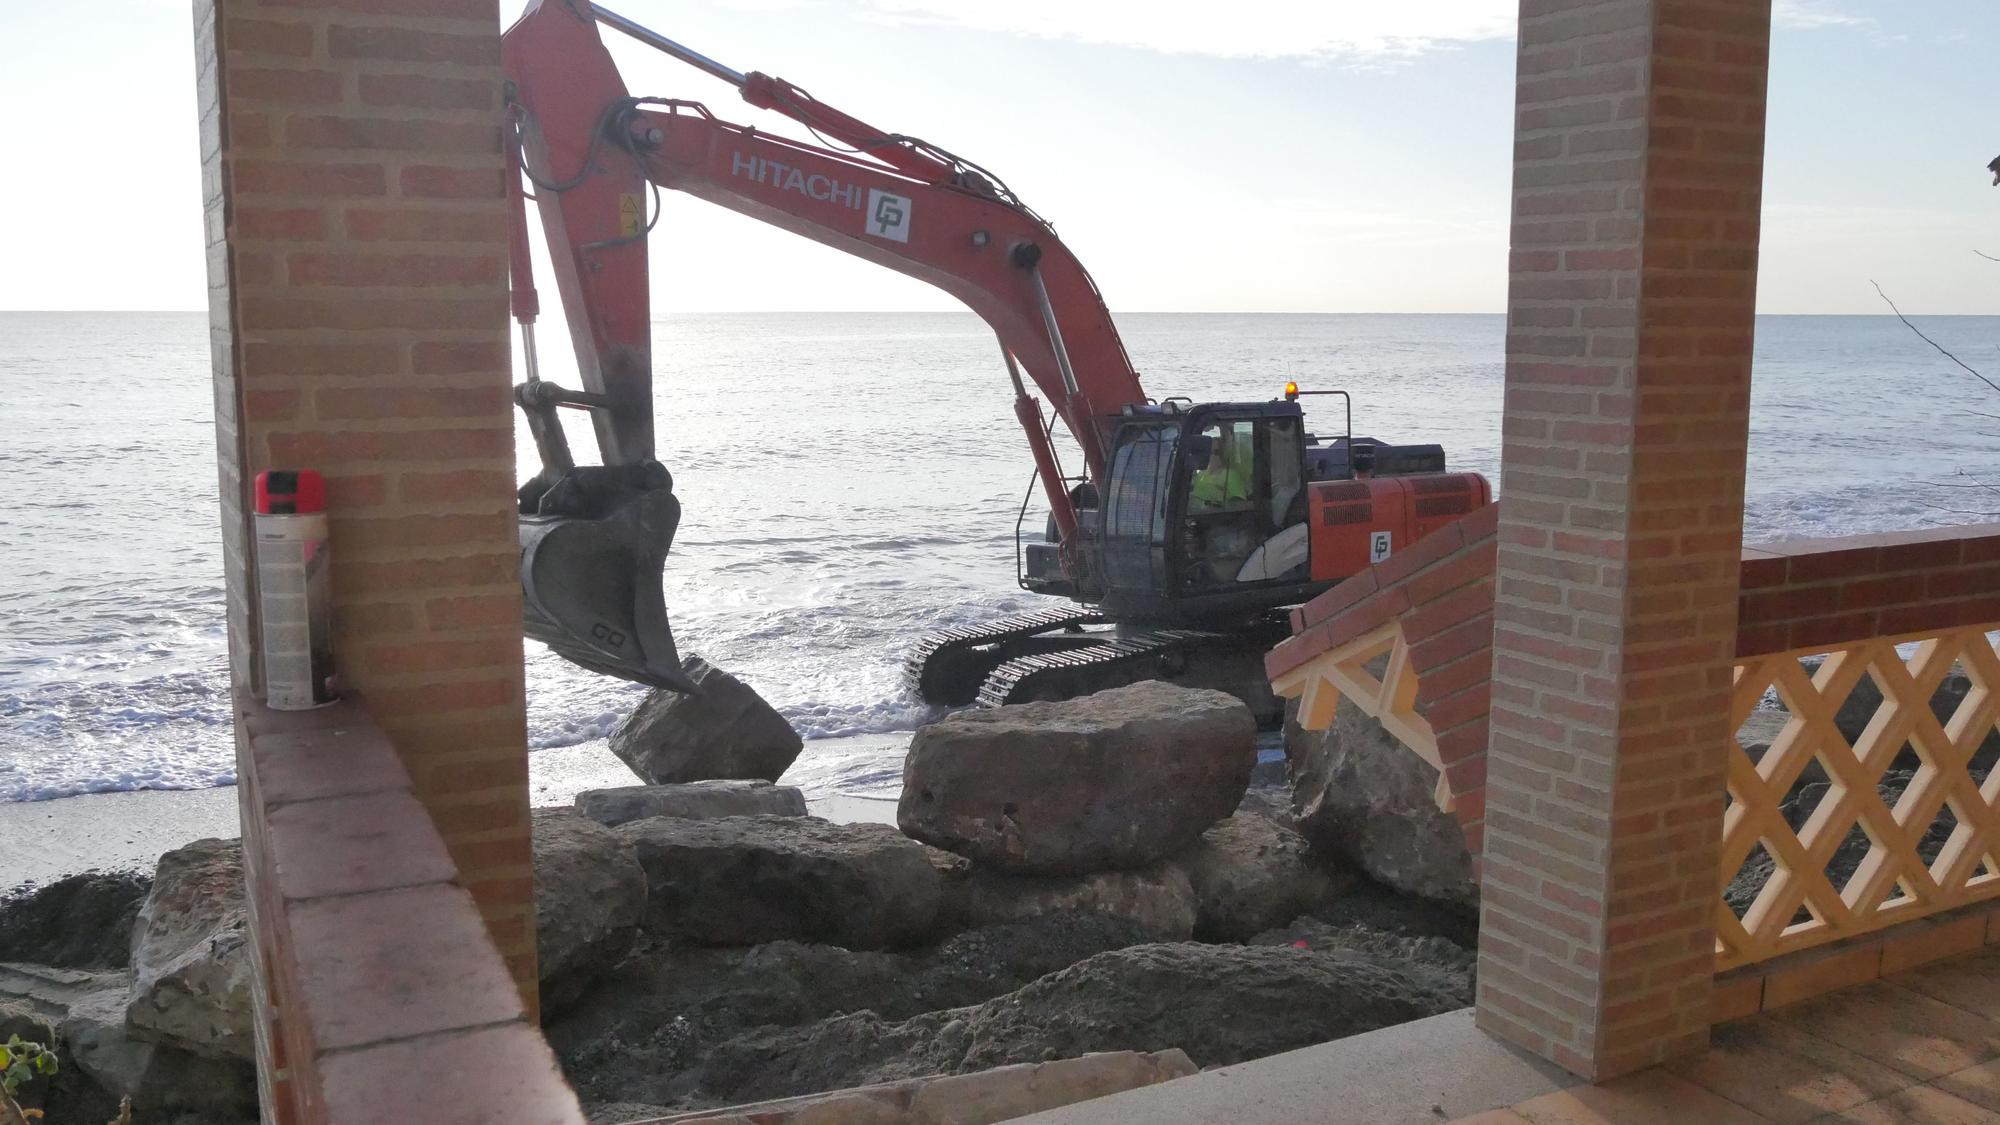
(1256, 29)
(1810, 14)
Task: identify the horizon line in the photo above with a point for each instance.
(969, 312)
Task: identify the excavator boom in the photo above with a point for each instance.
(597, 157)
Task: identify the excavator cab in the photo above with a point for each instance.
(1203, 511)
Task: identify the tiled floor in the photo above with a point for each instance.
(1919, 1047)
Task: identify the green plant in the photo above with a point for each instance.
(20, 1062)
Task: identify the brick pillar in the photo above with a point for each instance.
(352, 163)
(1638, 166)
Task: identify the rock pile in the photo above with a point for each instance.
(705, 942)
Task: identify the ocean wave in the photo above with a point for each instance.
(813, 721)
(843, 720)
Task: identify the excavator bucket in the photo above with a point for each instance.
(592, 552)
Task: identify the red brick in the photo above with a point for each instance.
(1452, 644)
(361, 313)
(1472, 567)
(479, 611)
(1459, 707)
(394, 270)
(458, 358)
(292, 224)
(424, 91)
(408, 576)
(393, 135)
(261, 360)
(444, 698)
(427, 182)
(1959, 582)
(1415, 556)
(504, 772)
(425, 224)
(1366, 616)
(338, 404)
(300, 178)
(268, 37)
(338, 447)
(1428, 619)
(1342, 595)
(400, 656)
(483, 485)
(1296, 651)
(1938, 615)
(406, 45)
(263, 407)
(363, 535)
(477, 12)
(353, 491)
(289, 85)
(1476, 667)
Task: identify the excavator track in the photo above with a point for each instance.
(1111, 662)
(948, 667)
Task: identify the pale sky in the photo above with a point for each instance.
(1257, 155)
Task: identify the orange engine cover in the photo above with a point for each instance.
(1358, 523)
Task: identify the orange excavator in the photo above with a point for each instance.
(1175, 548)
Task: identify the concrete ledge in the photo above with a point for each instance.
(382, 993)
(1001, 1094)
(1420, 1073)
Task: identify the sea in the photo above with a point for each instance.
(848, 482)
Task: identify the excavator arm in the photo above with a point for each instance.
(596, 157)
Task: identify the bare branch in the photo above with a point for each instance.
(1979, 483)
(1986, 256)
(1962, 511)
(1931, 342)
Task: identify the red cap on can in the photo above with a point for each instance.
(286, 492)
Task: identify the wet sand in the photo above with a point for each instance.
(41, 841)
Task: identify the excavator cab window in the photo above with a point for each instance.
(1244, 518)
(1135, 506)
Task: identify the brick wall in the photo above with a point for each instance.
(1638, 170)
(352, 167)
(1800, 595)
(1441, 589)
(1806, 593)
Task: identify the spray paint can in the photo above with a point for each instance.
(294, 596)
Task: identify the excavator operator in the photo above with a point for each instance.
(1219, 505)
(1224, 483)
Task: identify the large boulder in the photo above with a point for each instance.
(696, 800)
(161, 1079)
(1363, 796)
(1112, 781)
(726, 731)
(1158, 901)
(1253, 872)
(192, 975)
(589, 893)
(79, 922)
(741, 880)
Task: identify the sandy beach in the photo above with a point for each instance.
(41, 841)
